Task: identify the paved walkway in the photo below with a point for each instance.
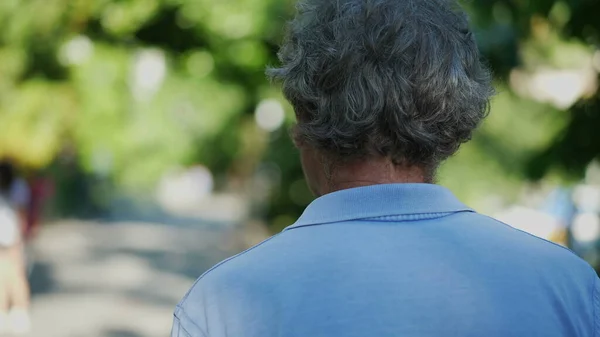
(120, 279)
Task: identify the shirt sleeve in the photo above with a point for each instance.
(183, 327)
(597, 307)
(177, 331)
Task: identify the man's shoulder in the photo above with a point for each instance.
(531, 247)
(215, 287)
(256, 262)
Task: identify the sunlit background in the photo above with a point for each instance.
(164, 149)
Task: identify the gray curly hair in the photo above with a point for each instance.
(394, 78)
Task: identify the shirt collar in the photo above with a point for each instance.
(378, 201)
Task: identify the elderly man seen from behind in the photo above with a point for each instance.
(384, 91)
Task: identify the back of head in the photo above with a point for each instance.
(400, 79)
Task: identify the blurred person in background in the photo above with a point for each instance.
(32, 194)
(14, 287)
(40, 188)
(384, 91)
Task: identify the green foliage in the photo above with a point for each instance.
(525, 138)
(72, 73)
(69, 77)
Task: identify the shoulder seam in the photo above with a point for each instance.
(188, 319)
(221, 263)
(531, 235)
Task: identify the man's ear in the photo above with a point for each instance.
(295, 136)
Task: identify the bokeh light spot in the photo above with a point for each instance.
(269, 115)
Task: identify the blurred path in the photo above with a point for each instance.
(119, 279)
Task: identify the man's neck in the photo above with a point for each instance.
(371, 172)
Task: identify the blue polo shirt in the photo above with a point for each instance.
(396, 260)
